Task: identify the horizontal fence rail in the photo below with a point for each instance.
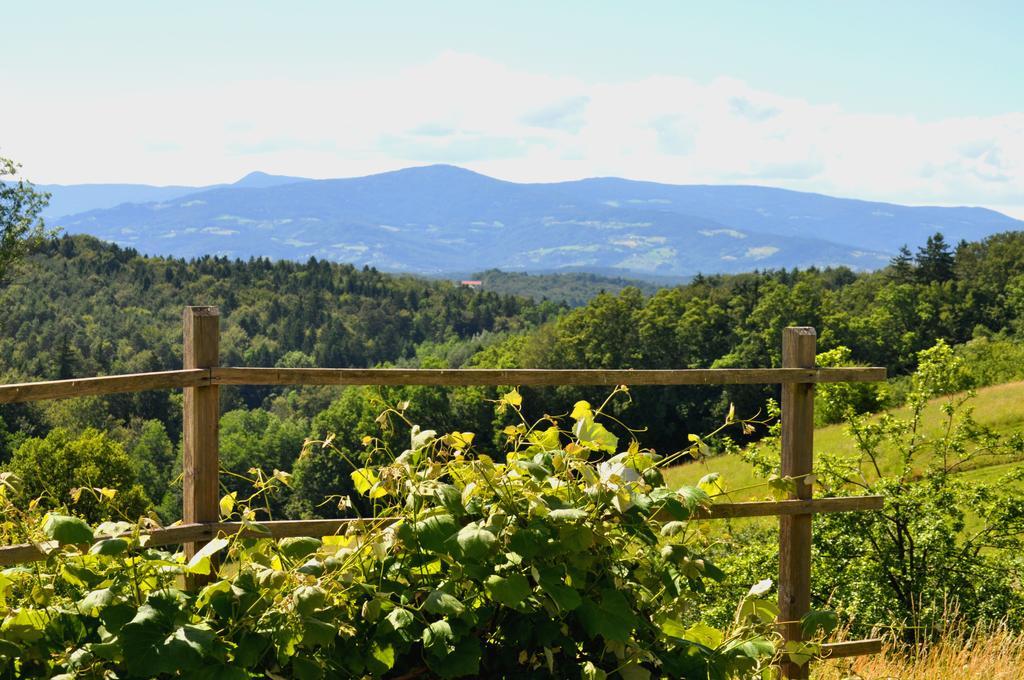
(838, 650)
(107, 384)
(454, 377)
(317, 528)
(540, 376)
(203, 375)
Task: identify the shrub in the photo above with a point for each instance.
(570, 559)
(944, 539)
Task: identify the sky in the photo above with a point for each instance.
(909, 102)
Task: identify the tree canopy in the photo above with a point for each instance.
(21, 227)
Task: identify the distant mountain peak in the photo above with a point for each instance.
(259, 180)
(442, 170)
(438, 218)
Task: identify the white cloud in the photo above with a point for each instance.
(726, 232)
(521, 126)
(760, 252)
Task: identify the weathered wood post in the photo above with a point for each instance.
(798, 351)
(201, 417)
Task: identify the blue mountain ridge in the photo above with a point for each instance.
(441, 218)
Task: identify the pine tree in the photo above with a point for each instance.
(934, 260)
(901, 267)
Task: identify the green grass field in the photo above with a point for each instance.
(1000, 407)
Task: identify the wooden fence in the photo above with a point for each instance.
(202, 376)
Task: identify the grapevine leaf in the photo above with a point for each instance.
(594, 435)
(308, 599)
(227, 504)
(109, 547)
(566, 597)
(711, 484)
(440, 602)
(317, 632)
(610, 617)
(567, 515)
(367, 483)
(67, 530)
(799, 652)
(692, 497)
(437, 634)
(816, 620)
(703, 634)
(384, 656)
(547, 440)
(764, 611)
(508, 590)
(476, 543)
(399, 619)
(433, 532)
(91, 604)
(462, 661)
(200, 562)
(299, 547)
(581, 410)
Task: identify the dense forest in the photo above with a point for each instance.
(80, 307)
(572, 288)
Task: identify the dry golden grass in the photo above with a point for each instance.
(994, 654)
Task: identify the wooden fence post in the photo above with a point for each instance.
(201, 416)
(798, 351)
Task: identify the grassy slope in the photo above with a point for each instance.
(1000, 407)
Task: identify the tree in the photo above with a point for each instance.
(901, 267)
(64, 470)
(260, 440)
(21, 227)
(934, 260)
(153, 455)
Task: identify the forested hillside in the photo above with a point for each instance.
(81, 308)
(106, 309)
(572, 288)
(885, 318)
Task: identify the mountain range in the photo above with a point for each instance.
(440, 218)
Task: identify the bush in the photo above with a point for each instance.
(944, 540)
(992, 361)
(571, 559)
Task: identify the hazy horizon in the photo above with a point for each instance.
(842, 100)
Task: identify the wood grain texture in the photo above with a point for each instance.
(201, 377)
(108, 384)
(791, 507)
(200, 423)
(836, 650)
(537, 376)
(798, 350)
(21, 553)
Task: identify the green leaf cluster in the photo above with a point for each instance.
(548, 560)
